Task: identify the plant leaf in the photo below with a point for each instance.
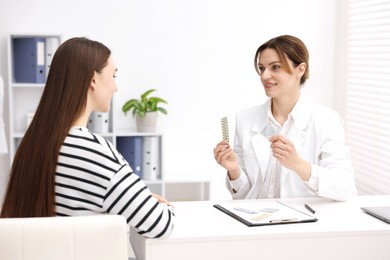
(146, 93)
(162, 110)
(144, 105)
(129, 105)
(158, 100)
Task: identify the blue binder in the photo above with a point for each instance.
(131, 150)
(29, 62)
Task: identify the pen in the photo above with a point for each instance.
(309, 209)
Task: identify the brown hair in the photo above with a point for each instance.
(290, 46)
(31, 188)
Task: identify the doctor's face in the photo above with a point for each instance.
(276, 80)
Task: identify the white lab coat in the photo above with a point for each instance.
(318, 137)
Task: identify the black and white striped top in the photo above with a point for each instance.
(93, 178)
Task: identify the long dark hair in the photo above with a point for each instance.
(31, 187)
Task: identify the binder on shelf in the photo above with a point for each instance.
(151, 158)
(29, 62)
(131, 150)
(52, 44)
(98, 122)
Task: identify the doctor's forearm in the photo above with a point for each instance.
(303, 169)
(234, 174)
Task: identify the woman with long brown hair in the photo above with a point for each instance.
(61, 168)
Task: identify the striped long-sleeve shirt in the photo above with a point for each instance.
(93, 178)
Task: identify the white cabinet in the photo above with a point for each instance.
(29, 58)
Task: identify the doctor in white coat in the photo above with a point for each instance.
(289, 146)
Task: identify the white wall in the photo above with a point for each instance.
(197, 53)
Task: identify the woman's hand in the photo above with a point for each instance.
(284, 151)
(225, 156)
(161, 199)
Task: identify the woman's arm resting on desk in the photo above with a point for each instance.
(128, 196)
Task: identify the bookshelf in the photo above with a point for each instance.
(32, 54)
(151, 161)
(29, 58)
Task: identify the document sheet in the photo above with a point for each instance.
(264, 212)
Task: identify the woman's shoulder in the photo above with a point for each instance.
(83, 136)
(93, 144)
(318, 108)
(319, 113)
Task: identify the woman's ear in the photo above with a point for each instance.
(301, 69)
(93, 81)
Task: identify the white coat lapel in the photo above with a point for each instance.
(260, 144)
(302, 116)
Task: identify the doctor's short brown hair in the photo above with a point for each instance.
(290, 46)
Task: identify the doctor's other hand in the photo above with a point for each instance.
(225, 156)
(284, 151)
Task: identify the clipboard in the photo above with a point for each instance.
(264, 213)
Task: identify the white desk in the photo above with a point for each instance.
(343, 231)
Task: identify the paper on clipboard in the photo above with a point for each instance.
(261, 213)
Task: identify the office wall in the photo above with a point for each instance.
(197, 53)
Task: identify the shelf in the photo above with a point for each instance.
(109, 134)
(28, 85)
(153, 182)
(131, 132)
(18, 135)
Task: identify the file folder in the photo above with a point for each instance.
(52, 45)
(98, 122)
(131, 150)
(151, 158)
(29, 60)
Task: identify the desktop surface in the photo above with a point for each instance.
(343, 231)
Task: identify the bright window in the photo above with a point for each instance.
(367, 97)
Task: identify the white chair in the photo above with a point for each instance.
(99, 237)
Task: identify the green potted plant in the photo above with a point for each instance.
(145, 110)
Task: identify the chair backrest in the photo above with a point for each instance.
(64, 238)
